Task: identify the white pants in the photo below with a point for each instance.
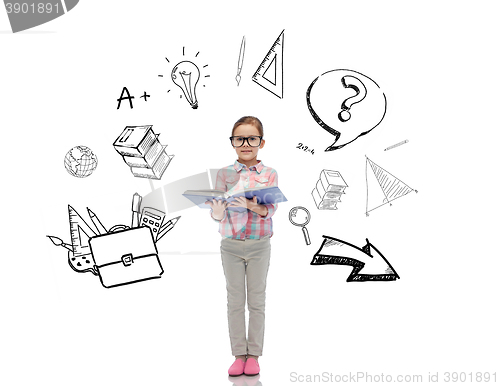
(246, 259)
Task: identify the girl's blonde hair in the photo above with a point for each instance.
(249, 120)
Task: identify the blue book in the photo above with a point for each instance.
(265, 195)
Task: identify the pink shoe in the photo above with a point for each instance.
(237, 368)
(251, 367)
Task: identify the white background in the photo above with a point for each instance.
(436, 62)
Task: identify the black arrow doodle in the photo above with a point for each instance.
(368, 259)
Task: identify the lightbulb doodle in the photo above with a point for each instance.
(186, 75)
(347, 104)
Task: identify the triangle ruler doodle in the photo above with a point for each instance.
(382, 187)
(81, 232)
(270, 72)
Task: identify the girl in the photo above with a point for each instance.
(245, 244)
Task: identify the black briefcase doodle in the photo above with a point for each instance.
(126, 257)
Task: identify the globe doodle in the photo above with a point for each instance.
(80, 161)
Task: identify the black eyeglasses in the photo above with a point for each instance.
(253, 141)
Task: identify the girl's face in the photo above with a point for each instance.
(247, 155)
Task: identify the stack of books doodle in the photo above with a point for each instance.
(328, 189)
(142, 152)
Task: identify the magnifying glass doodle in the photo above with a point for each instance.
(300, 216)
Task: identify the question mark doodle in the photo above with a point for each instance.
(349, 81)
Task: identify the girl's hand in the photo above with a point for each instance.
(242, 202)
(252, 205)
(218, 208)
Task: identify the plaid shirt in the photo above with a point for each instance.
(246, 224)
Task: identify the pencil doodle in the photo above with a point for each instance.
(328, 189)
(186, 75)
(300, 216)
(80, 161)
(142, 152)
(269, 74)
(350, 123)
(240, 60)
(390, 186)
(121, 255)
(368, 262)
(396, 145)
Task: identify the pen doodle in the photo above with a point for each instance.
(269, 74)
(387, 187)
(368, 262)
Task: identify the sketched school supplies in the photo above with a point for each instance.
(269, 74)
(167, 227)
(368, 262)
(300, 216)
(265, 195)
(240, 60)
(121, 255)
(396, 145)
(336, 88)
(142, 151)
(328, 189)
(382, 187)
